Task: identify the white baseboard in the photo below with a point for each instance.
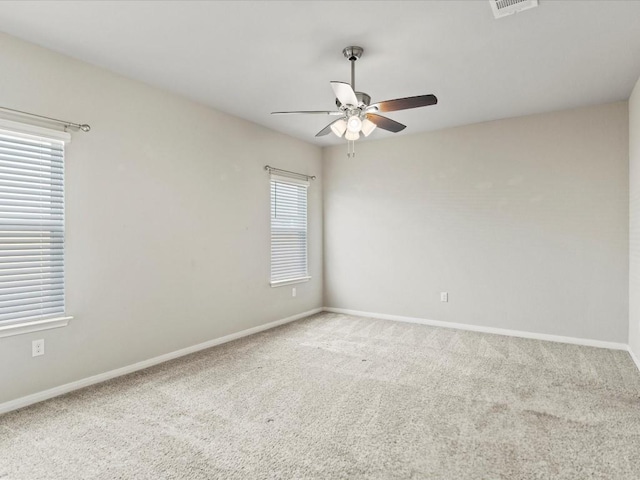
(101, 377)
(634, 358)
(476, 328)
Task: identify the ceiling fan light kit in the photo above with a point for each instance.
(339, 127)
(357, 114)
(368, 127)
(354, 124)
(352, 136)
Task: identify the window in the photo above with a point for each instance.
(31, 229)
(288, 231)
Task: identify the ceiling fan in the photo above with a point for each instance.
(357, 113)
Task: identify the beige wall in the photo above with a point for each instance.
(167, 221)
(523, 221)
(634, 221)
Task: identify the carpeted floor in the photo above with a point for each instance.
(335, 396)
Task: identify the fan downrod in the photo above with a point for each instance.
(352, 54)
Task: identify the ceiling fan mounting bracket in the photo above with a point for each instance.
(353, 53)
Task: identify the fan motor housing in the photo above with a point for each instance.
(362, 98)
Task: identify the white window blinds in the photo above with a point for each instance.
(31, 227)
(288, 230)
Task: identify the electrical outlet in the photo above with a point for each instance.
(37, 348)
(293, 292)
(444, 296)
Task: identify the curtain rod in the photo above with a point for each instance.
(84, 127)
(273, 169)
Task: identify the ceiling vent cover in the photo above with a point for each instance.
(502, 8)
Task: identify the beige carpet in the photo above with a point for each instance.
(334, 396)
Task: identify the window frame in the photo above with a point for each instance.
(280, 282)
(21, 326)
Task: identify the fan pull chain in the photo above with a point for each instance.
(351, 148)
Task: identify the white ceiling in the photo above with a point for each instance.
(249, 58)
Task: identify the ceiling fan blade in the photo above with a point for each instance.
(311, 112)
(344, 93)
(405, 103)
(386, 123)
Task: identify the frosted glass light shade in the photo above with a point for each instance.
(339, 127)
(354, 124)
(351, 135)
(367, 127)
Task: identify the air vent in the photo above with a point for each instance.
(502, 8)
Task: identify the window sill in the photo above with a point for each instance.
(33, 326)
(282, 283)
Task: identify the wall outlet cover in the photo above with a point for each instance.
(37, 348)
